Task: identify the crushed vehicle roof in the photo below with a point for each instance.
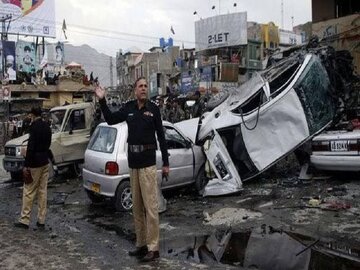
(272, 114)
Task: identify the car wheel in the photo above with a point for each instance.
(201, 179)
(16, 176)
(93, 197)
(123, 199)
(76, 169)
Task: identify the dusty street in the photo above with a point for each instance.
(276, 222)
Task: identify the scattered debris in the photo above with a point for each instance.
(229, 216)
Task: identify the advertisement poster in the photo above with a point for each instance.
(10, 62)
(59, 54)
(5, 93)
(30, 17)
(186, 83)
(25, 56)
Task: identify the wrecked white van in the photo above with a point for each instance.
(266, 118)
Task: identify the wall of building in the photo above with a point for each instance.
(343, 34)
(323, 10)
(270, 35)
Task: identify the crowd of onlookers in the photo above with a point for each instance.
(175, 109)
(18, 126)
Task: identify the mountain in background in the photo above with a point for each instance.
(91, 61)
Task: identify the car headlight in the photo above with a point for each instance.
(20, 151)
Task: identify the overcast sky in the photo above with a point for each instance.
(110, 25)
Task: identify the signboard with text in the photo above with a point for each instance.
(31, 17)
(221, 31)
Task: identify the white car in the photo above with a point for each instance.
(255, 125)
(106, 171)
(336, 151)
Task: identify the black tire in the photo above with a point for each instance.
(94, 198)
(201, 180)
(123, 199)
(16, 176)
(76, 170)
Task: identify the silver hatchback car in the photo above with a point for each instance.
(106, 171)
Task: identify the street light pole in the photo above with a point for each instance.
(3, 38)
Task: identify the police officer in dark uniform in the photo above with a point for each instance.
(37, 161)
(144, 120)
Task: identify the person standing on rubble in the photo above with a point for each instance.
(143, 119)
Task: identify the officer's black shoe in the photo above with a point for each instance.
(21, 225)
(139, 251)
(150, 256)
(40, 225)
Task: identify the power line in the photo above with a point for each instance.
(36, 20)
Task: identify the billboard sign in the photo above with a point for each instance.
(186, 83)
(59, 54)
(221, 31)
(25, 56)
(30, 17)
(10, 63)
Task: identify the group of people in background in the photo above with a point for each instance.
(175, 109)
(18, 126)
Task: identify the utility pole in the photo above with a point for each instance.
(282, 14)
(3, 20)
(111, 72)
(4, 37)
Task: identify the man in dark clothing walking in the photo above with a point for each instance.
(144, 120)
(37, 160)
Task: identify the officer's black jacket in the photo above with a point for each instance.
(37, 153)
(142, 125)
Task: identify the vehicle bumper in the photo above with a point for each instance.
(336, 163)
(13, 164)
(107, 183)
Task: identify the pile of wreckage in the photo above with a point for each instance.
(303, 91)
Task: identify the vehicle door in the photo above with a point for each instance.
(181, 158)
(228, 179)
(72, 141)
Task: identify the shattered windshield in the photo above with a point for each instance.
(56, 118)
(103, 140)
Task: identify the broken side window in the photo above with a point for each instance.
(252, 104)
(283, 79)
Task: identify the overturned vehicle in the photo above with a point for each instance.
(254, 126)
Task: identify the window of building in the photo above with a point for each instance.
(44, 95)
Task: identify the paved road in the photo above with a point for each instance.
(80, 235)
